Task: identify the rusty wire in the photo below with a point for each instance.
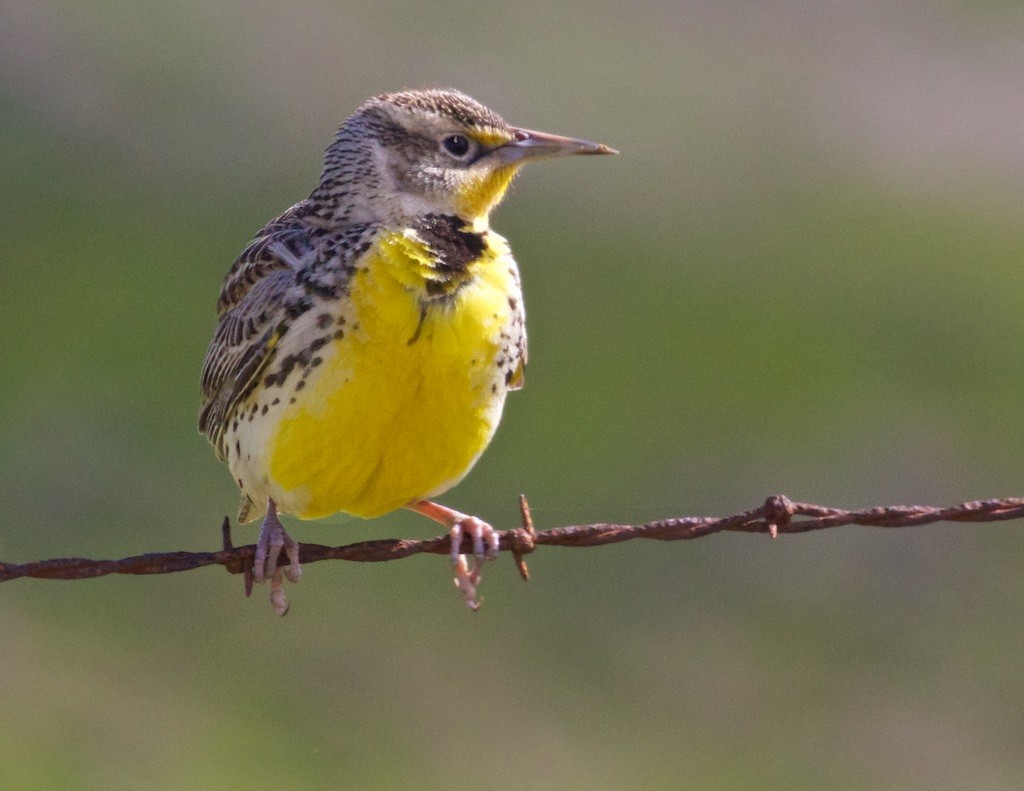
(777, 515)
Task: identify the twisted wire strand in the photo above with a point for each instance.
(778, 514)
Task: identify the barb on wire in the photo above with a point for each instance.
(777, 515)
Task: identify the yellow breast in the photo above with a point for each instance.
(407, 397)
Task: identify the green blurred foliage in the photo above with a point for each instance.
(802, 275)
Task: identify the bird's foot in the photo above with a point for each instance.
(274, 538)
(467, 576)
(486, 544)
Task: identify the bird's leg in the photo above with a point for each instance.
(485, 544)
(274, 538)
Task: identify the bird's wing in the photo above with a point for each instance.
(253, 317)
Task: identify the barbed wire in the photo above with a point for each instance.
(777, 515)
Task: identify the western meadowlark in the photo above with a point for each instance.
(368, 336)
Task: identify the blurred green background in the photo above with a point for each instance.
(803, 274)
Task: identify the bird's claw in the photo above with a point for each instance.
(273, 539)
(277, 598)
(486, 544)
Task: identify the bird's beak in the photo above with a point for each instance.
(527, 145)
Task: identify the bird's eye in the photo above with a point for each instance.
(457, 145)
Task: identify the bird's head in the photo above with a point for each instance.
(402, 155)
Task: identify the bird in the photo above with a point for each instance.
(367, 337)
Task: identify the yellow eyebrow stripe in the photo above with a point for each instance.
(491, 137)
